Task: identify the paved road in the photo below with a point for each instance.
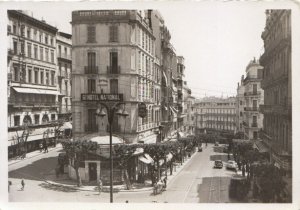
(198, 182)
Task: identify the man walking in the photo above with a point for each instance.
(23, 184)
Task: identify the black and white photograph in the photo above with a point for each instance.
(158, 103)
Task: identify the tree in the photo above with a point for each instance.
(124, 153)
(77, 151)
(22, 140)
(270, 180)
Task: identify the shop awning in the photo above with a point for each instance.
(261, 147)
(181, 134)
(65, 126)
(168, 158)
(146, 159)
(36, 91)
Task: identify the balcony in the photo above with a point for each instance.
(252, 79)
(254, 125)
(64, 56)
(251, 109)
(91, 70)
(277, 109)
(113, 70)
(91, 128)
(255, 93)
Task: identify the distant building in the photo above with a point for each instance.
(250, 97)
(64, 74)
(32, 86)
(240, 103)
(216, 114)
(277, 86)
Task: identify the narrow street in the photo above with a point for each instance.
(198, 182)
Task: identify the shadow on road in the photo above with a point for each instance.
(36, 170)
(57, 188)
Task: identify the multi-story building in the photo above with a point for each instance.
(277, 86)
(32, 87)
(253, 98)
(121, 60)
(216, 114)
(64, 74)
(190, 118)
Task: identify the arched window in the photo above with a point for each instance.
(45, 118)
(27, 120)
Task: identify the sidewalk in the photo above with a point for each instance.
(122, 188)
(30, 155)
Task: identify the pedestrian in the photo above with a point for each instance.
(46, 147)
(155, 188)
(100, 186)
(23, 184)
(9, 184)
(247, 170)
(165, 182)
(41, 147)
(243, 170)
(126, 201)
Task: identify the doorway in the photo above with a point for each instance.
(92, 171)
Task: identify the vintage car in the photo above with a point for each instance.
(231, 164)
(218, 164)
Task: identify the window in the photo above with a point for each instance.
(14, 29)
(23, 30)
(113, 86)
(113, 33)
(66, 103)
(17, 120)
(66, 70)
(91, 85)
(52, 117)
(114, 62)
(37, 119)
(41, 53)
(23, 47)
(92, 120)
(91, 59)
(41, 36)
(29, 50)
(66, 88)
(241, 114)
(46, 39)
(66, 51)
(47, 78)
(52, 78)
(42, 77)
(28, 33)
(91, 36)
(16, 73)
(15, 46)
(47, 54)
(35, 52)
(36, 75)
(241, 102)
(51, 41)
(59, 50)
(29, 76)
(52, 56)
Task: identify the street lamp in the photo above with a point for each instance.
(111, 110)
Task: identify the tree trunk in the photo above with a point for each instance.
(127, 180)
(79, 183)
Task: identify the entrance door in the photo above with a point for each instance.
(92, 171)
(255, 135)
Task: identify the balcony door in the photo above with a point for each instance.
(254, 88)
(114, 62)
(92, 123)
(255, 104)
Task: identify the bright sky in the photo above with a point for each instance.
(217, 39)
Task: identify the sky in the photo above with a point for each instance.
(217, 40)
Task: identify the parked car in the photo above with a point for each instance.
(216, 143)
(218, 164)
(231, 164)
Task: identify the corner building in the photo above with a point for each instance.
(113, 52)
(277, 85)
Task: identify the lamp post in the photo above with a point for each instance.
(111, 110)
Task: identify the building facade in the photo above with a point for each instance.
(277, 86)
(216, 114)
(32, 85)
(121, 60)
(64, 74)
(240, 103)
(253, 98)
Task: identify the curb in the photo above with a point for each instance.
(120, 190)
